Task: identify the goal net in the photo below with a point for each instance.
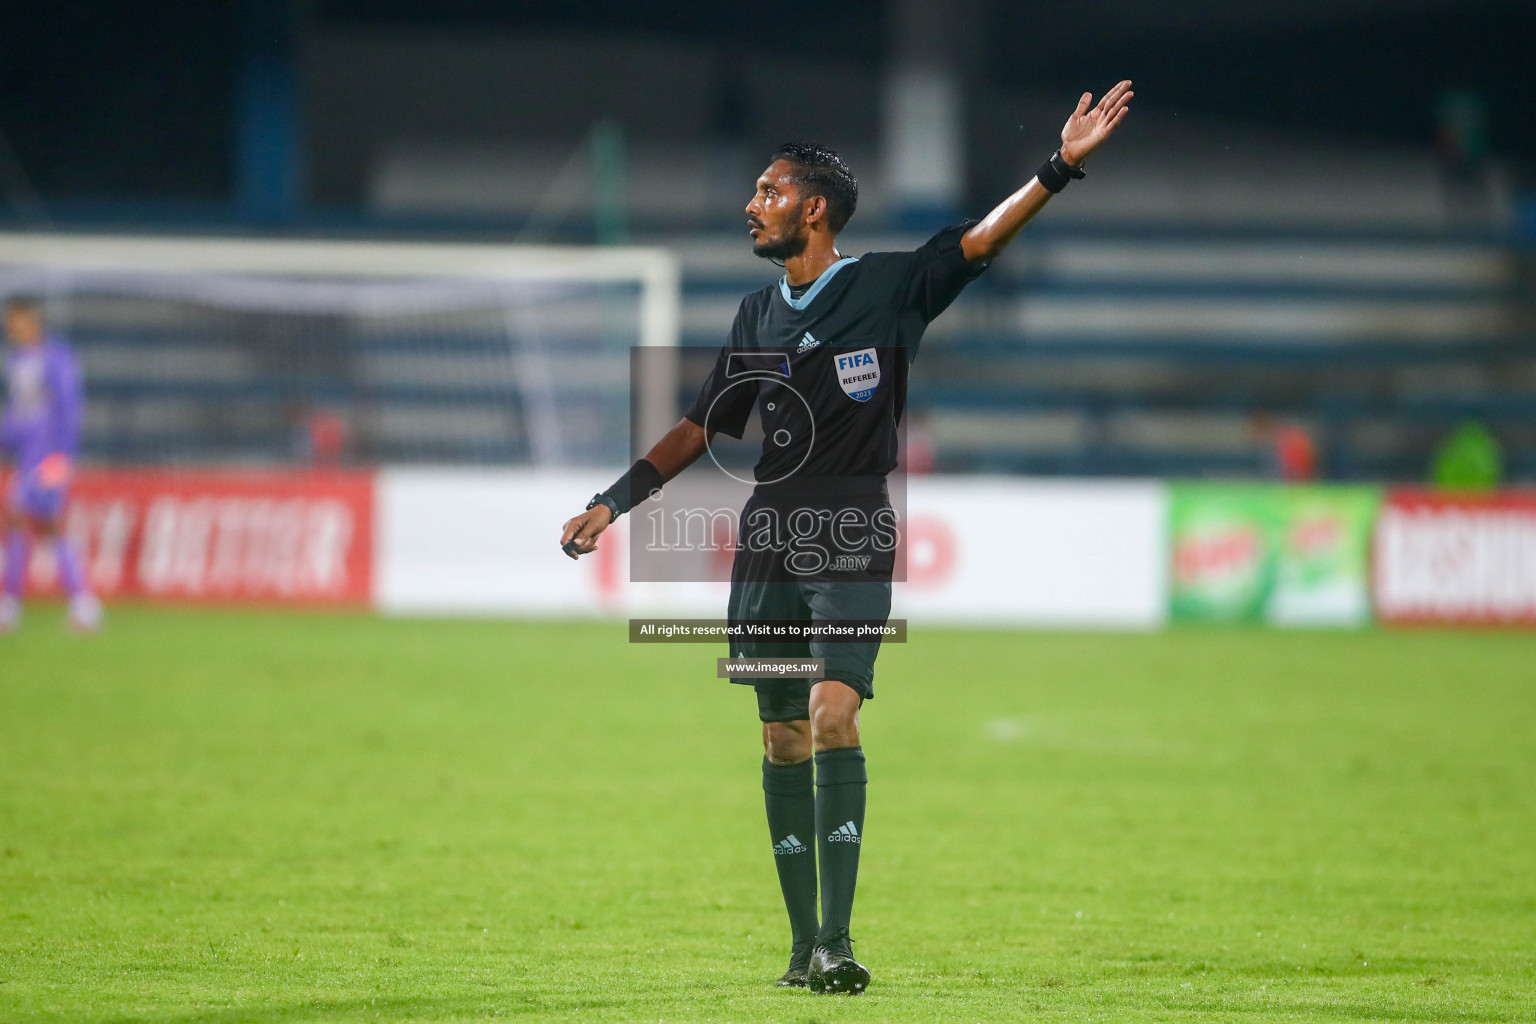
(259, 352)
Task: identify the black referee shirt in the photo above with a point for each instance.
(828, 370)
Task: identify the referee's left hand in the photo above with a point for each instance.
(583, 529)
(1086, 129)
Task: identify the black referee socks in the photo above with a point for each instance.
(791, 803)
(840, 784)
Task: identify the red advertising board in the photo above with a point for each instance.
(1467, 560)
(221, 536)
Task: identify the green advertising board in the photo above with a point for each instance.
(1271, 553)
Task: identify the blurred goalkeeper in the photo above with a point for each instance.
(40, 436)
(823, 355)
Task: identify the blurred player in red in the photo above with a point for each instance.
(1295, 453)
(40, 435)
(1291, 452)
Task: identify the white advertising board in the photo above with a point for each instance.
(1061, 554)
(983, 551)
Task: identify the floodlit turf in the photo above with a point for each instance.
(227, 817)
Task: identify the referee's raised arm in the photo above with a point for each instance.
(678, 449)
(1085, 130)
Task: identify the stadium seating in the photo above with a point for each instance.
(1087, 351)
(1156, 352)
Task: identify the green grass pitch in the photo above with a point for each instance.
(230, 817)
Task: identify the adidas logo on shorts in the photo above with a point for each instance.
(845, 833)
(788, 845)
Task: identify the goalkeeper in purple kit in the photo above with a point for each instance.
(40, 437)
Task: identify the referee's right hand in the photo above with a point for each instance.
(580, 533)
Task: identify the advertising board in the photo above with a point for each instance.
(1260, 553)
(981, 551)
(222, 536)
(1457, 559)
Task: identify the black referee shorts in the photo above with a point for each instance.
(768, 584)
(788, 700)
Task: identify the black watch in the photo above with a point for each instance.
(603, 499)
(1060, 163)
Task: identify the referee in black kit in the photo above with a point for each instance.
(824, 354)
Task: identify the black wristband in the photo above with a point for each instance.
(1055, 173)
(607, 503)
(634, 486)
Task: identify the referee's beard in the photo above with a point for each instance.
(787, 246)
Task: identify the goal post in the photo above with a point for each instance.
(450, 334)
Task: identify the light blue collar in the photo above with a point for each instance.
(816, 286)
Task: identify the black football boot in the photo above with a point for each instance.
(833, 968)
(799, 966)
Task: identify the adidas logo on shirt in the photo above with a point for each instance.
(807, 343)
(846, 833)
(788, 845)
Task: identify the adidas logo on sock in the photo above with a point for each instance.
(807, 343)
(788, 845)
(846, 833)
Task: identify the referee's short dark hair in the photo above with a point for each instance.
(821, 172)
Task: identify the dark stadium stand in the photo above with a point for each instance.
(1085, 352)
(1154, 353)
